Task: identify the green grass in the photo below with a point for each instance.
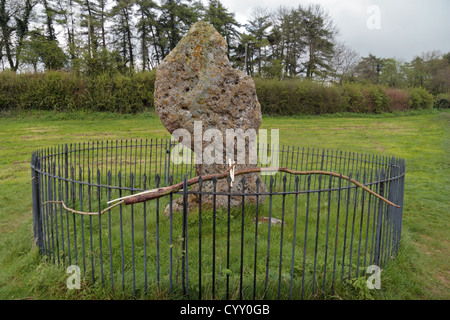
(420, 270)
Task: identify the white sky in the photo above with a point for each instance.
(407, 27)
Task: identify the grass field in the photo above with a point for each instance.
(421, 270)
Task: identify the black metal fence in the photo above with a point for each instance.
(328, 230)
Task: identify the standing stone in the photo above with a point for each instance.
(196, 82)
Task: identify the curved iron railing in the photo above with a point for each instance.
(307, 239)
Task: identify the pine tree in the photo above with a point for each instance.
(174, 21)
(147, 31)
(258, 28)
(122, 14)
(15, 18)
(224, 22)
(319, 33)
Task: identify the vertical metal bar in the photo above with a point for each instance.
(110, 231)
(377, 186)
(368, 221)
(353, 229)
(385, 223)
(170, 240)
(345, 233)
(318, 218)
(61, 220)
(306, 236)
(47, 213)
(292, 163)
(150, 164)
(268, 235)
(361, 225)
(337, 229)
(91, 253)
(402, 195)
(50, 206)
(214, 239)
(73, 216)
(125, 169)
(41, 200)
(132, 232)
(53, 171)
(306, 166)
(158, 180)
(166, 165)
(282, 157)
(119, 176)
(317, 233)
(37, 214)
(55, 196)
(379, 222)
(183, 268)
(326, 239)
(258, 182)
(294, 235)
(228, 236)
(186, 238)
(242, 238)
(144, 185)
(281, 235)
(200, 185)
(100, 224)
(72, 195)
(81, 193)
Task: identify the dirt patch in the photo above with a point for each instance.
(31, 138)
(40, 130)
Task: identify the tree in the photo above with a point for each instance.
(258, 28)
(319, 33)
(224, 22)
(343, 62)
(176, 17)
(37, 48)
(66, 20)
(15, 17)
(392, 74)
(430, 70)
(89, 20)
(291, 44)
(146, 29)
(369, 68)
(50, 13)
(244, 53)
(122, 14)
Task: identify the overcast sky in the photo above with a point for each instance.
(406, 28)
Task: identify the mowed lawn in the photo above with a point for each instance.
(420, 271)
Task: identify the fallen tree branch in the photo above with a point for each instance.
(82, 212)
(160, 192)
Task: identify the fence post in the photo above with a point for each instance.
(184, 262)
(37, 219)
(379, 220)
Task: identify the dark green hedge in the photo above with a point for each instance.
(295, 96)
(69, 92)
(66, 91)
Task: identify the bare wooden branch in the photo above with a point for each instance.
(160, 192)
(82, 212)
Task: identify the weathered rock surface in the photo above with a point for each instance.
(196, 82)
